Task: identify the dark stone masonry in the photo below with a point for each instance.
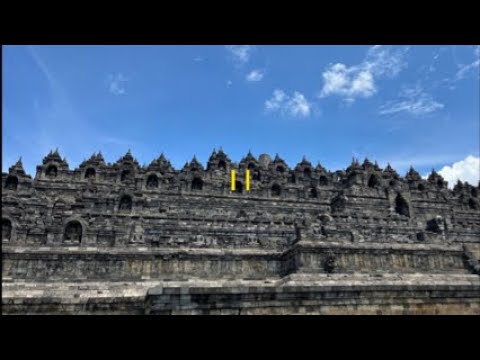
(124, 239)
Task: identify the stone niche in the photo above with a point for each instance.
(123, 228)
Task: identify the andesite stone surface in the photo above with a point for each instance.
(128, 239)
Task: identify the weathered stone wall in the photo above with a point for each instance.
(293, 294)
(123, 222)
(51, 264)
(54, 265)
(333, 300)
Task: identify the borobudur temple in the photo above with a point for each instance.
(128, 239)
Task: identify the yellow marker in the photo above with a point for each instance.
(233, 180)
(247, 180)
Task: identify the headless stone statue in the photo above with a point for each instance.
(136, 234)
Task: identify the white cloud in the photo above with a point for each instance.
(116, 84)
(359, 80)
(467, 169)
(240, 53)
(347, 82)
(255, 75)
(198, 59)
(466, 69)
(414, 100)
(384, 61)
(276, 101)
(229, 83)
(296, 105)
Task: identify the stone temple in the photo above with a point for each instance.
(125, 239)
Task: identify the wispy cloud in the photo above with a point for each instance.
(59, 123)
(467, 169)
(358, 81)
(240, 53)
(296, 105)
(255, 75)
(116, 84)
(43, 67)
(426, 70)
(464, 70)
(198, 59)
(58, 114)
(413, 100)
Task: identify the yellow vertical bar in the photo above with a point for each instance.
(247, 180)
(233, 180)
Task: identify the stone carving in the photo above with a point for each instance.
(339, 203)
(11, 183)
(125, 203)
(436, 225)
(152, 181)
(136, 234)
(82, 224)
(73, 232)
(401, 206)
(51, 171)
(6, 229)
(329, 265)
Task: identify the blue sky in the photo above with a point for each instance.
(407, 105)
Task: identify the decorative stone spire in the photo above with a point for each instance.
(391, 172)
(305, 162)
(249, 157)
(354, 165)
(19, 163)
(100, 157)
(17, 168)
(459, 187)
(128, 155)
(413, 175)
(367, 164)
(218, 161)
(195, 165)
(127, 158)
(436, 178)
(320, 168)
(249, 161)
(433, 175)
(160, 164)
(95, 160)
(213, 156)
(53, 156)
